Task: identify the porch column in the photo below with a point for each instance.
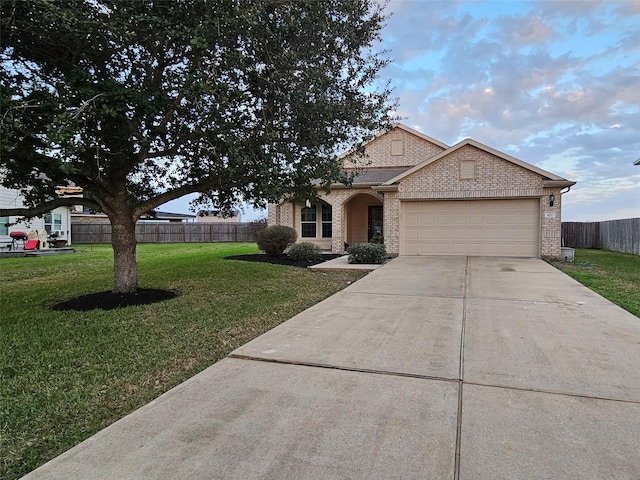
(337, 216)
(391, 222)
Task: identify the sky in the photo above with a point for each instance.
(553, 83)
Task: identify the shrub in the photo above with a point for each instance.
(304, 252)
(274, 240)
(377, 238)
(367, 253)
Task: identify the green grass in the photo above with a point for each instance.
(615, 276)
(66, 375)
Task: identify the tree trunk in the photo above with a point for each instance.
(125, 267)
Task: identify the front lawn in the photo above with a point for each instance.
(64, 375)
(615, 276)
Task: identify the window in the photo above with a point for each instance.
(4, 228)
(308, 218)
(314, 219)
(326, 221)
(52, 222)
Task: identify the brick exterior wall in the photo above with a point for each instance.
(494, 178)
(550, 223)
(378, 151)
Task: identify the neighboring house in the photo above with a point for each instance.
(213, 216)
(57, 221)
(84, 215)
(426, 198)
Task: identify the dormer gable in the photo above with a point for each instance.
(399, 147)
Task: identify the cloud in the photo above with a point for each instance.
(553, 83)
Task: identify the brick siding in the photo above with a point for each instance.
(378, 151)
(494, 178)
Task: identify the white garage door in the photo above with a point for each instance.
(470, 227)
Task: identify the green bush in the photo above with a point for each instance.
(377, 238)
(304, 252)
(367, 253)
(274, 240)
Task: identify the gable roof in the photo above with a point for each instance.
(417, 134)
(637, 162)
(401, 127)
(376, 176)
(555, 179)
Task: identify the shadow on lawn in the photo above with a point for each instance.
(110, 301)
(144, 296)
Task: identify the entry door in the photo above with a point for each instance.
(374, 225)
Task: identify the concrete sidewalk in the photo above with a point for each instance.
(427, 368)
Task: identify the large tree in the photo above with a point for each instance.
(142, 102)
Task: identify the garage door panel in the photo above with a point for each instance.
(412, 234)
(425, 249)
(443, 248)
(426, 235)
(442, 234)
(442, 219)
(459, 219)
(475, 234)
(493, 235)
(457, 249)
(479, 227)
(475, 249)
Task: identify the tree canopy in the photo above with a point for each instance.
(142, 102)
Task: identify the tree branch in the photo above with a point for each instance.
(163, 153)
(46, 207)
(165, 197)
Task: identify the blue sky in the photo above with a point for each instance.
(553, 83)
(556, 84)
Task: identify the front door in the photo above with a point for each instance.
(374, 225)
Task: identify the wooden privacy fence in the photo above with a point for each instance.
(615, 235)
(151, 232)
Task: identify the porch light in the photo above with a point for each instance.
(552, 199)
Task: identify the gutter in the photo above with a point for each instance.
(558, 183)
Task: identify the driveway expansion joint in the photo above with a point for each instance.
(552, 392)
(343, 368)
(465, 292)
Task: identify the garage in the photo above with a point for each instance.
(509, 227)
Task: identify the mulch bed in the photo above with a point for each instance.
(283, 259)
(109, 300)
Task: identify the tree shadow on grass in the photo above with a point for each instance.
(144, 296)
(110, 301)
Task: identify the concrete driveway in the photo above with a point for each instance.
(466, 368)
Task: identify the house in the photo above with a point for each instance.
(58, 221)
(214, 216)
(427, 198)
